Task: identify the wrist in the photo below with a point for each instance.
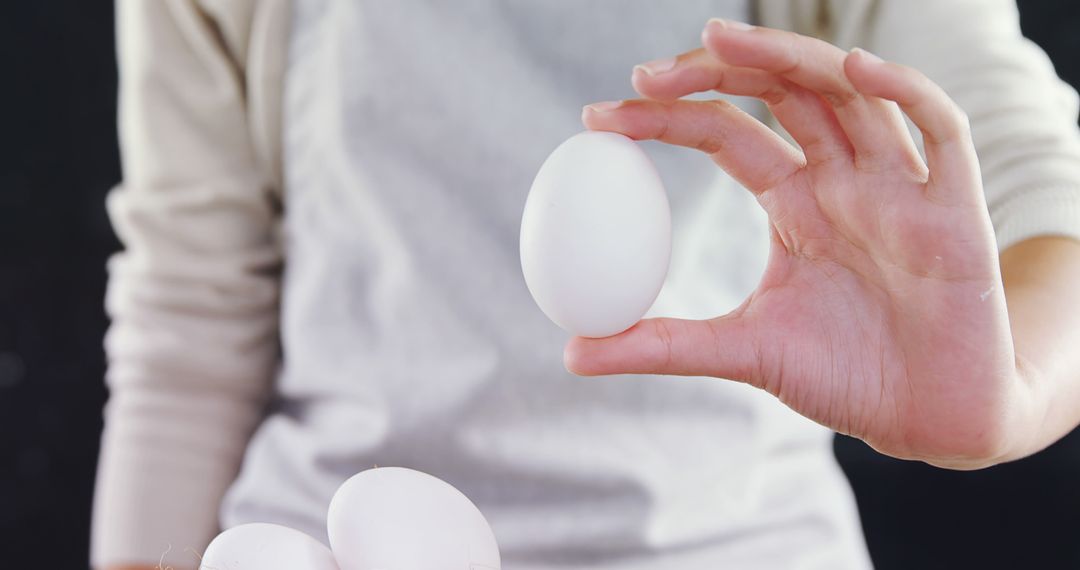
(1031, 402)
(1009, 433)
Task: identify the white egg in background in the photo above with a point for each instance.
(264, 546)
(596, 234)
(392, 518)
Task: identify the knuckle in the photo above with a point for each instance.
(789, 66)
(840, 98)
(663, 332)
(957, 125)
(962, 121)
(712, 138)
(791, 62)
(774, 96)
(720, 105)
(711, 142)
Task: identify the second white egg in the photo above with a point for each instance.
(264, 546)
(596, 234)
(392, 518)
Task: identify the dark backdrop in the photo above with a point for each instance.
(58, 157)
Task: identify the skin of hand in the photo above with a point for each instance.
(882, 311)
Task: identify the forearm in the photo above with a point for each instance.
(1042, 288)
(193, 345)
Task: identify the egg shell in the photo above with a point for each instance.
(265, 546)
(596, 234)
(392, 518)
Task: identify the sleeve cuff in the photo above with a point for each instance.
(1052, 210)
(166, 463)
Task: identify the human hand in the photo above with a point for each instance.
(881, 312)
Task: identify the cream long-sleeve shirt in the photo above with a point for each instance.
(195, 348)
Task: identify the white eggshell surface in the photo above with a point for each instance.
(596, 234)
(264, 546)
(392, 518)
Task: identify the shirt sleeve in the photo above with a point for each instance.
(1023, 117)
(194, 297)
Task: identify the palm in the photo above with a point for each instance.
(876, 302)
(881, 312)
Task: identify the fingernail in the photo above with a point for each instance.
(869, 57)
(733, 25)
(658, 66)
(603, 106)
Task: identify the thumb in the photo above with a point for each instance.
(722, 347)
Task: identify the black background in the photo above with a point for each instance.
(58, 158)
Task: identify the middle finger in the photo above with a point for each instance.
(874, 126)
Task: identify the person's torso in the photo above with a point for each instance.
(412, 131)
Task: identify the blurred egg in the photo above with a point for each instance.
(391, 518)
(596, 234)
(264, 546)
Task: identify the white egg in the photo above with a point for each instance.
(264, 546)
(391, 518)
(596, 234)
